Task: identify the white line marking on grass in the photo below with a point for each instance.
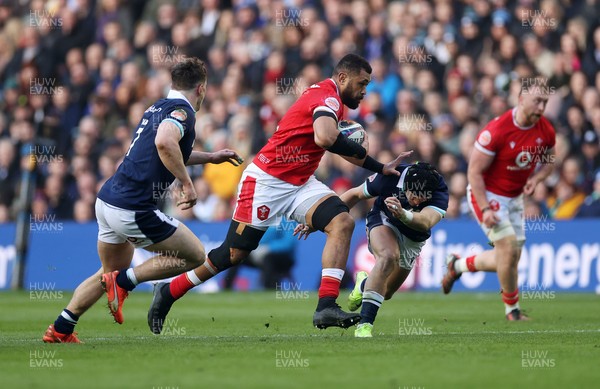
(289, 336)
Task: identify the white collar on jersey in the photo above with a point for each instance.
(336, 87)
(173, 94)
(514, 118)
(401, 180)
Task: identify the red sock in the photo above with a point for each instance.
(180, 285)
(471, 263)
(330, 287)
(510, 298)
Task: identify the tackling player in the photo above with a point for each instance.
(280, 182)
(500, 170)
(398, 225)
(126, 208)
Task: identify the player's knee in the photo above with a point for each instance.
(241, 239)
(238, 256)
(388, 259)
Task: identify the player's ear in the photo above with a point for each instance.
(343, 78)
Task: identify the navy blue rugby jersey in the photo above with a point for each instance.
(142, 179)
(382, 187)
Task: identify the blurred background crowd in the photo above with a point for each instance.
(77, 75)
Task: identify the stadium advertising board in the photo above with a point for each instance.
(563, 258)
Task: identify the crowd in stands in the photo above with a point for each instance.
(77, 75)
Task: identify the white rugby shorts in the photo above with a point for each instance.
(141, 228)
(508, 209)
(263, 199)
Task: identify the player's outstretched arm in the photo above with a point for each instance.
(352, 196)
(226, 155)
(167, 144)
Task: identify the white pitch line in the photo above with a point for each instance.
(288, 336)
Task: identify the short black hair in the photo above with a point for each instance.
(188, 74)
(352, 64)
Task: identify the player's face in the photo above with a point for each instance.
(353, 88)
(532, 106)
(415, 199)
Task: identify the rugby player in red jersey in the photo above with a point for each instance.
(280, 182)
(502, 168)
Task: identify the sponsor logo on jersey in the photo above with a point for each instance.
(484, 138)
(523, 159)
(179, 114)
(332, 103)
(263, 212)
(372, 177)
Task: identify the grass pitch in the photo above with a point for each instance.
(266, 340)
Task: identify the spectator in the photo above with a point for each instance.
(591, 204)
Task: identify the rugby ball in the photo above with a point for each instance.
(352, 130)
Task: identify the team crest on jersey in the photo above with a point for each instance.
(179, 114)
(372, 177)
(512, 145)
(263, 212)
(539, 141)
(332, 103)
(485, 138)
(494, 205)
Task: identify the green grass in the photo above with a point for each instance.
(249, 340)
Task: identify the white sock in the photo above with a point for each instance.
(68, 317)
(131, 275)
(460, 265)
(191, 275)
(338, 274)
(372, 297)
(211, 269)
(509, 308)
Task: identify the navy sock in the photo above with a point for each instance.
(124, 282)
(371, 303)
(325, 302)
(66, 325)
(368, 312)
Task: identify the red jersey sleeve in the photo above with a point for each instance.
(327, 101)
(489, 140)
